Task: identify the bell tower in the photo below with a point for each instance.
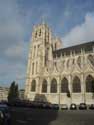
(39, 55)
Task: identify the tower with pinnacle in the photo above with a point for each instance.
(40, 55)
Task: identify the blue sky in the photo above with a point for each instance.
(72, 20)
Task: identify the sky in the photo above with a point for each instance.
(71, 20)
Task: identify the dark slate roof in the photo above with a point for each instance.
(87, 47)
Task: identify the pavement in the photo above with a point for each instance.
(28, 116)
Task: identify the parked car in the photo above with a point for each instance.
(64, 106)
(4, 114)
(55, 106)
(91, 106)
(73, 106)
(46, 105)
(82, 106)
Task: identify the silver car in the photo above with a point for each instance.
(64, 106)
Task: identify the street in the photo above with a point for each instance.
(27, 116)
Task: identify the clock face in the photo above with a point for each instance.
(79, 61)
(91, 59)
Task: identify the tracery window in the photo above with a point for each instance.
(64, 85)
(53, 88)
(68, 63)
(89, 84)
(44, 86)
(76, 86)
(33, 86)
(40, 32)
(36, 34)
(79, 61)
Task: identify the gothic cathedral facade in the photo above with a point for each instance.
(62, 75)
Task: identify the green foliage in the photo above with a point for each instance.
(13, 92)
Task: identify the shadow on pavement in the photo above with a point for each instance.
(33, 116)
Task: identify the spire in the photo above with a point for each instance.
(43, 18)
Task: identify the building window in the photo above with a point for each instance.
(34, 51)
(40, 32)
(36, 67)
(89, 84)
(53, 88)
(68, 63)
(33, 86)
(55, 46)
(76, 87)
(36, 35)
(64, 85)
(44, 86)
(79, 61)
(32, 68)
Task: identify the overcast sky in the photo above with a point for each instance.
(72, 20)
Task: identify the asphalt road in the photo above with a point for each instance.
(26, 116)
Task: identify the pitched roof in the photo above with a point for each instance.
(87, 47)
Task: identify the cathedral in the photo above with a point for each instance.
(61, 75)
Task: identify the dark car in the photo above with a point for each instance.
(55, 106)
(73, 106)
(82, 106)
(91, 106)
(46, 105)
(4, 114)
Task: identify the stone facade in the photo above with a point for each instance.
(3, 93)
(62, 75)
(21, 94)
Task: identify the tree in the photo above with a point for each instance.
(16, 91)
(13, 92)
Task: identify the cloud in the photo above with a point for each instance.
(11, 28)
(13, 47)
(81, 33)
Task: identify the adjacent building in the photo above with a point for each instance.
(21, 94)
(62, 75)
(3, 93)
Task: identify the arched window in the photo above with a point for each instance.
(53, 88)
(33, 86)
(40, 32)
(68, 63)
(36, 34)
(44, 86)
(79, 61)
(64, 85)
(89, 84)
(76, 87)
